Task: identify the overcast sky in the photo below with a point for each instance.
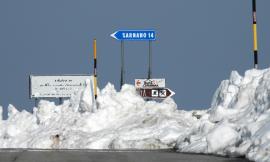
(199, 42)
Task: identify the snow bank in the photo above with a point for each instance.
(238, 122)
(123, 121)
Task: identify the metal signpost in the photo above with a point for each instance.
(122, 64)
(150, 60)
(135, 35)
(148, 88)
(53, 86)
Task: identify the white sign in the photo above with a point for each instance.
(149, 83)
(57, 86)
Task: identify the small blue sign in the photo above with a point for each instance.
(140, 35)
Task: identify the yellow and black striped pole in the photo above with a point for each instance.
(95, 68)
(255, 36)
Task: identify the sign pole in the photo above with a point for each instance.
(60, 100)
(36, 102)
(255, 36)
(136, 35)
(150, 60)
(95, 68)
(122, 65)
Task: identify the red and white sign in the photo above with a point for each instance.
(149, 83)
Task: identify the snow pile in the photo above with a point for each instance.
(123, 120)
(238, 122)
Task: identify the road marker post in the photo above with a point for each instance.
(95, 68)
(255, 35)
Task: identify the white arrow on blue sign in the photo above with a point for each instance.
(141, 35)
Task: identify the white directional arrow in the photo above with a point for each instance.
(171, 92)
(113, 35)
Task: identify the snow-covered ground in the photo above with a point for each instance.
(237, 124)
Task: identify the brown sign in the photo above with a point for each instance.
(156, 93)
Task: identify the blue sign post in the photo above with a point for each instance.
(135, 35)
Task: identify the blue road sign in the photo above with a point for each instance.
(141, 35)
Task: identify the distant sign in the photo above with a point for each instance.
(142, 35)
(149, 83)
(57, 86)
(158, 93)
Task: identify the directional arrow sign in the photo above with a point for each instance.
(150, 83)
(158, 93)
(145, 35)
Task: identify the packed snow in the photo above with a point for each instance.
(237, 124)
